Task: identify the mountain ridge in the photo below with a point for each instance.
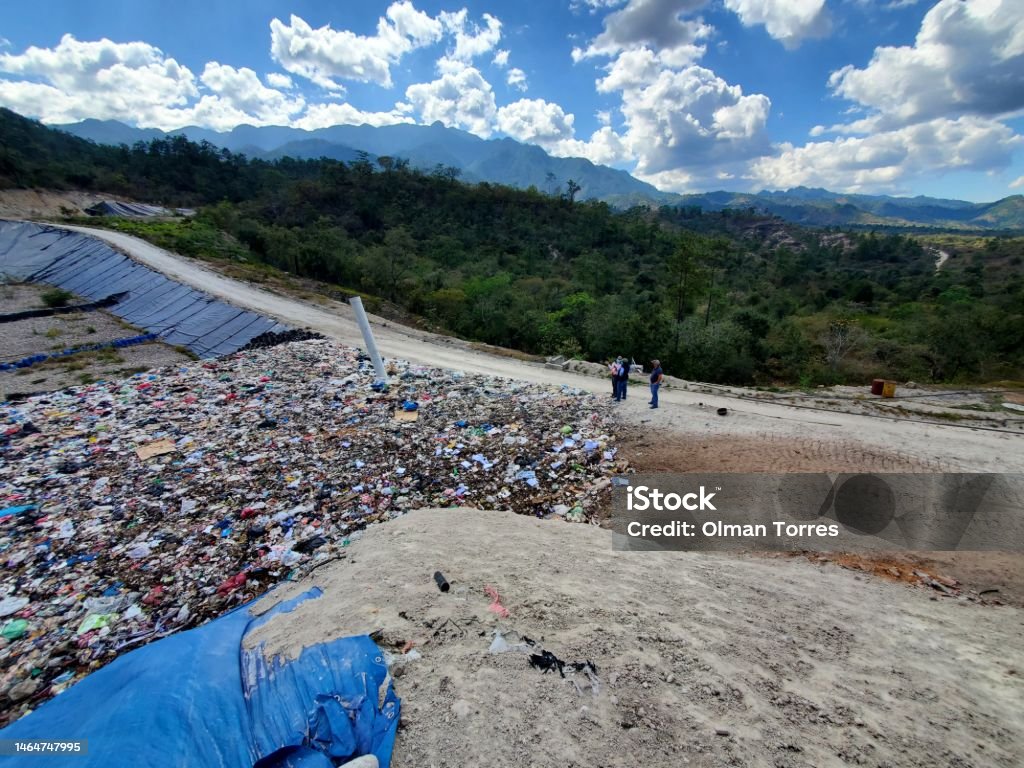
(507, 161)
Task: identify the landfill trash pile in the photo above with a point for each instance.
(274, 338)
(133, 509)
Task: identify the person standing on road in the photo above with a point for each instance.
(613, 369)
(623, 379)
(656, 378)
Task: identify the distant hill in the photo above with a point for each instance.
(820, 207)
(310, 149)
(499, 161)
(506, 161)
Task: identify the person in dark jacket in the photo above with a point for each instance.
(657, 376)
(623, 379)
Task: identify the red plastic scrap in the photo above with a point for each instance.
(154, 596)
(231, 584)
(495, 606)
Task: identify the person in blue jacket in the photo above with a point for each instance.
(656, 378)
(622, 378)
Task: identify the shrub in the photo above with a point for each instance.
(57, 297)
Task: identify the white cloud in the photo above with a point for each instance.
(1017, 183)
(470, 39)
(500, 59)
(788, 21)
(658, 24)
(676, 180)
(605, 147)
(325, 55)
(640, 67)
(968, 58)
(680, 119)
(325, 115)
(693, 118)
(886, 161)
(459, 98)
(604, 116)
(535, 121)
(278, 80)
(240, 97)
(516, 78)
(137, 84)
(101, 79)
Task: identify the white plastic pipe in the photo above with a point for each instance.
(371, 345)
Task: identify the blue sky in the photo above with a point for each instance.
(875, 96)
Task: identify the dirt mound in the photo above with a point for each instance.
(699, 660)
(46, 203)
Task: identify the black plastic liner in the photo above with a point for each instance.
(178, 314)
(28, 314)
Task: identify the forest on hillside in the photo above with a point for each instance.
(728, 297)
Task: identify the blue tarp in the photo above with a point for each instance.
(179, 314)
(200, 698)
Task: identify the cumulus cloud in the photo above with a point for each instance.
(693, 118)
(326, 115)
(471, 40)
(516, 78)
(136, 83)
(885, 160)
(535, 121)
(240, 97)
(1017, 183)
(639, 67)
(459, 98)
(325, 55)
(605, 147)
(658, 24)
(968, 58)
(500, 59)
(100, 79)
(788, 21)
(278, 80)
(546, 124)
(679, 118)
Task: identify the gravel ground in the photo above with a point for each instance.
(18, 297)
(88, 367)
(52, 334)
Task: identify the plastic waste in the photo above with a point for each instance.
(96, 529)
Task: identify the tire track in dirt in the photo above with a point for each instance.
(763, 452)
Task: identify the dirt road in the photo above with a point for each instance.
(688, 414)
